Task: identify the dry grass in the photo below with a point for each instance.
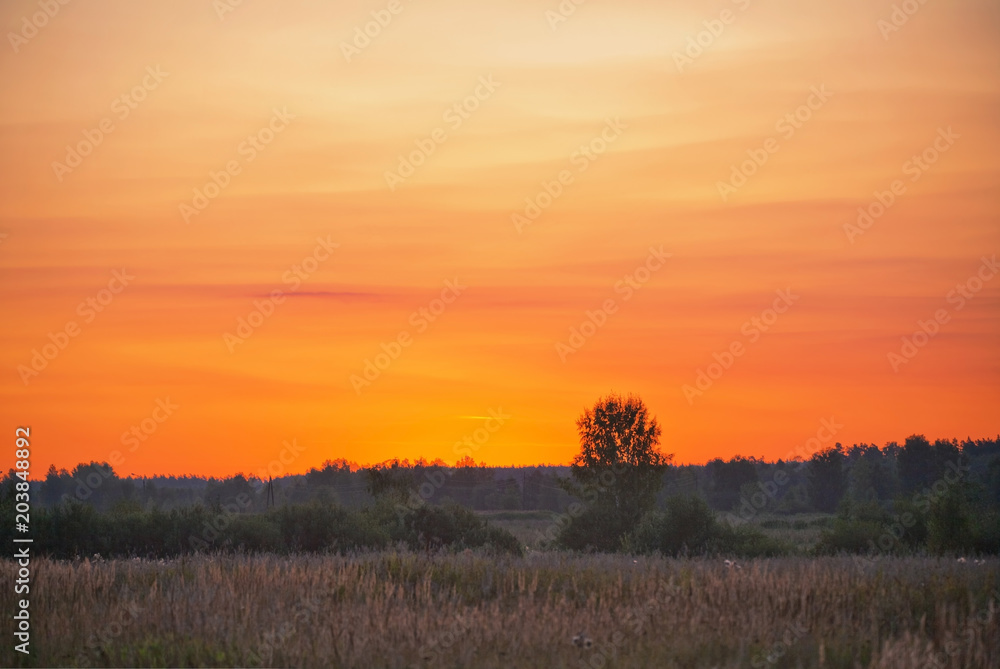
(403, 610)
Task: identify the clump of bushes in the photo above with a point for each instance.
(596, 528)
(316, 527)
(865, 528)
(688, 526)
(454, 526)
(953, 522)
(960, 521)
(74, 529)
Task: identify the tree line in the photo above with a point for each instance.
(621, 492)
(739, 486)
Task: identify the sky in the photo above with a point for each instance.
(246, 235)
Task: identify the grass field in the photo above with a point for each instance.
(470, 610)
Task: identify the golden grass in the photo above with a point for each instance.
(469, 610)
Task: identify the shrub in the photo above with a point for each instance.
(689, 526)
(914, 521)
(986, 532)
(597, 528)
(316, 527)
(452, 526)
(949, 527)
(850, 536)
(253, 532)
(746, 542)
(686, 526)
(867, 527)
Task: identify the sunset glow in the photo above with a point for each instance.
(257, 232)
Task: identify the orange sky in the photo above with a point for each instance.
(672, 131)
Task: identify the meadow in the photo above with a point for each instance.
(544, 609)
(631, 574)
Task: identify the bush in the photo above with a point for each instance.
(253, 532)
(430, 527)
(316, 527)
(70, 530)
(949, 525)
(746, 542)
(689, 526)
(867, 527)
(914, 520)
(848, 536)
(595, 529)
(986, 532)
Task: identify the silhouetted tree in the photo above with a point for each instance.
(618, 471)
(993, 480)
(333, 473)
(916, 463)
(921, 465)
(229, 490)
(826, 479)
(392, 480)
(97, 483)
(728, 478)
(870, 473)
(56, 484)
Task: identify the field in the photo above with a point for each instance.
(390, 609)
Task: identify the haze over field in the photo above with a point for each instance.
(232, 154)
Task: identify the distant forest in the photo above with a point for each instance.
(739, 488)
